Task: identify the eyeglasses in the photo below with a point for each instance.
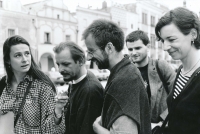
(92, 52)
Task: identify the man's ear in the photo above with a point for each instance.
(79, 62)
(109, 47)
(148, 46)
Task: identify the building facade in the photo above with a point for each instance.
(53, 24)
(149, 13)
(47, 23)
(14, 20)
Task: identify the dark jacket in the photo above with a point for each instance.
(125, 95)
(86, 100)
(184, 111)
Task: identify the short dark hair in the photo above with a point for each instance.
(184, 19)
(138, 35)
(76, 51)
(105, 31)
(34, 70)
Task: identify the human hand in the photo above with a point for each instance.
(61, 100)
(97, 124)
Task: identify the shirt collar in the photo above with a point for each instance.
(79, 79)
(26, 78)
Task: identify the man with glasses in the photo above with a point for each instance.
(126, 108)
(137, 43)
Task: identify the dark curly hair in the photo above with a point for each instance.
(105, 31)
(138, 35)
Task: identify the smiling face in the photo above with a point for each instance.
(175, 42)
(20, 58)
(137, 50)
(67, 66)
(95, 53)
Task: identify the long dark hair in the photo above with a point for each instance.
(34, 70)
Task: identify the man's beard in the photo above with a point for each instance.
(103, 64)
(68, 79)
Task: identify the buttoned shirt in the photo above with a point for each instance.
(37, 115)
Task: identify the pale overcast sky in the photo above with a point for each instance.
(71, 4)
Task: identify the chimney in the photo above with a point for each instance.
(104, 5)
(184, 3)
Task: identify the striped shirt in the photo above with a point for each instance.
(180, 84)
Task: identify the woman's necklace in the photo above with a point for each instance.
(191, 68)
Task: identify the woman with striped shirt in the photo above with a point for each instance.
(179, 31)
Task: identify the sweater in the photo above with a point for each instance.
(86, 100)
(125, 94)
(184, 111)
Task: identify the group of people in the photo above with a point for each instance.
(140, 92)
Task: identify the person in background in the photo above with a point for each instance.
(38, 113)
(125, 108)
(137, 43)
(85, 92)
(179, 31)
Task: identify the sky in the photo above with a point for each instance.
(171, 4)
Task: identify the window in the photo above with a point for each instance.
(58, 16)
(153, 42)
(67, 37)
(47, 38)
(144, 18)
(131, 26)
(11, 32)
(1, 4)
(152, 21)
